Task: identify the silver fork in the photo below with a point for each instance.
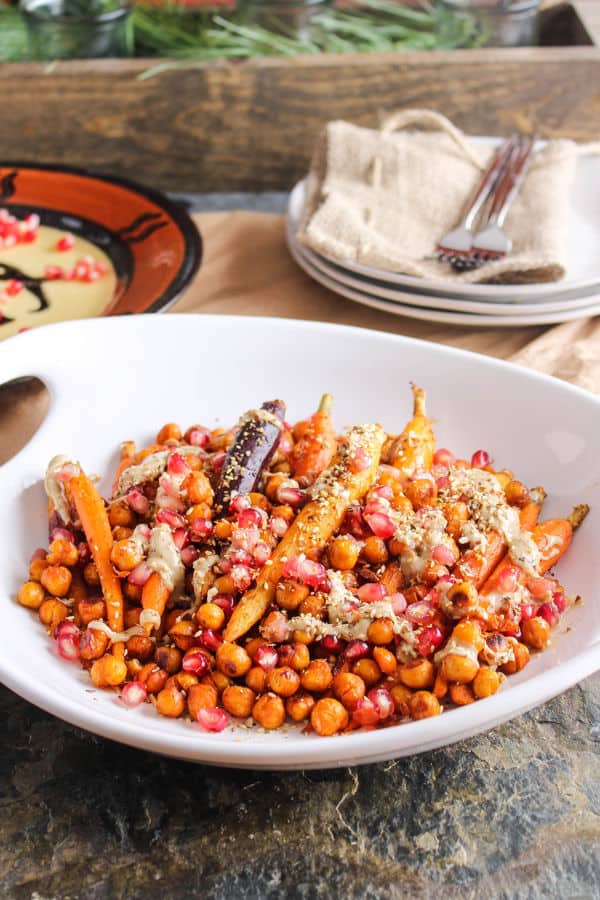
(492, 242)
(455, 246)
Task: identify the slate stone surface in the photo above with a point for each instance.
(514, 814)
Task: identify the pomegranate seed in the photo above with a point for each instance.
(381, 525)
(133, 693)
(442, 483)
(40, 553)
(480, 459)
(286, 444)
(376, 505)
(371, 592)
(540, 588)
(382, 701)
(250, 517)
(177, 464)
(225, 601)
(365, 712)
(100, 268)
(189, 555)
(360, 460)
(68, 471)
(429, 640)
(240, 558)
(356, 649)
(210, 639)
(559, 600)
(508, 578)
(211, 718)
(444, 583)
(443, 457)
(292, 496)
(13, 287)
(278, 526)
(311, 573)
(420, 613)
(198, 436)
(140, 575)
(384, 491)
(85, 554)
(138, 501)
(276, 629)
(67, 641)
(399, 603)
(242, 578)
(66, 628)
(332, 644)
(66, 242)
(239, 503)
(170, 518)
(261, 553)
(201, 528)
(217, 460)
(528, 611)
(31, 221)
(245, 538)
(62, 534)
(196, 662)
(443, 555)
(266, 657)
(181, 537)
(550, 613)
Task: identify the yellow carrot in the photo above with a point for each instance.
(94, 521)
(155, 594)
(412, 451)
(351, 474)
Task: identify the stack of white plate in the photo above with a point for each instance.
(575, 296)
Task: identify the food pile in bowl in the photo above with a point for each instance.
(271, 573)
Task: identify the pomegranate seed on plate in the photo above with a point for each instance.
(195, 662)
(177, 464)
(540, 588)
(278, 526)
(62, 534)
(181, 537)
(261, 553)
(138, 501)
(134, 693)
(528, 611)
(371, 592)
(398, 602)
(13, 287)
(560, 601)
(365, 712)
(508, 578)
(332, 644)
(225, 602)
(239, 503)
(54, 273)
(250, 517)
(140, 575)
(480, 459)
(67, 640)
(420, 613)
(550, 613)
(382, 701)
(66, 242)
(292, 496)
(189, 555)
(429, 640)
(198, 436)
(211, 718)
(276, 629)
(170, 518)
(443, 457)
(201, 528)
(380, 524)
(242, 578)
(443, 555)
(356, 649)
(266, 657)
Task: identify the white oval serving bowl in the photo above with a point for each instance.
(115, 379)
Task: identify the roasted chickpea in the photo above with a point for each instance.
(461, 694)
(314, 605)
(486, 682)
(125, 555)
(385, 659)
(522, 657)
(423, 704)
(198, 488)
(516, 493)
(296, 655)
(283, 511)
(401, 696)
(328, 716)
(232, 660)
(418, 673)
(90, 574)
(62, 553)
(132, 592)
(222, 529)
(456, 514)
(209, 615)
(169, 432)
(303, 637)
(185, 680)
(120, 513)
(168, 658)
(317, 677)
(536, 632)
(283, 681)
(88, 610)
(170, 702)
(52, 612)
(343, 552)
(153, 677)
(182, 634)
(349, 688)
(31, 594)
(470, 633)
(141, 647)
(132, 615)
(368, 670)
(134, 667)
(225, 585)
(381, 631)
(440, 687)
(290, 594)
(121, 532)
(36, 567)
(274, 482)
(458, 668)
(238, 701)
(256, 679)
(269, 711)
(57, 580)
(93, 644)
(461, 600)
(375, 551)
(220, 681)
(201, 696)
(421, 492)
(299, 706)
(108, 671)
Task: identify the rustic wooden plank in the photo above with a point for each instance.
(252, 125)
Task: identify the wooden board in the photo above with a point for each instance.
(252, 125)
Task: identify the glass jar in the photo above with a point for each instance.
(77, 29)
(490, 23)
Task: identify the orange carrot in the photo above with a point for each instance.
(317, 444)
(552, 538)
(412, 451)
(475, 566)
(94, 521)
(155, 594)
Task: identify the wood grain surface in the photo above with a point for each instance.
(252, 125)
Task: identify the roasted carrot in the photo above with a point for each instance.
(155, 594)
(94, 521)
(412, 451)
(351, 474)
(317, 444)
(475, 565)
(127, 459)
(554, 536)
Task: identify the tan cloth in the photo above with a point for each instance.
(247, 270)
(385, 197)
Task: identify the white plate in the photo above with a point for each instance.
(112, 379)
(385, 291)
(583, 262)
(427, 314)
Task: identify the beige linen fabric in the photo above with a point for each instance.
(384, 198)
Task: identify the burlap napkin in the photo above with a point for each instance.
(384, 198)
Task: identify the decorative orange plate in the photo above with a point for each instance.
(147, 247)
